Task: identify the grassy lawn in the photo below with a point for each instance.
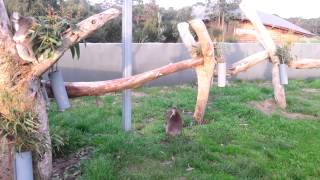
(239, 142)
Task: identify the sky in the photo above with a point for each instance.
(283, 8)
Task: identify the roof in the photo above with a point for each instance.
(277, 22)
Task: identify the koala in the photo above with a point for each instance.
(22, 25)
(174, 123)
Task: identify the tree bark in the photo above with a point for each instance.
(7, 52)
(43, 164)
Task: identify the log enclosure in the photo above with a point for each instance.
(23, 79)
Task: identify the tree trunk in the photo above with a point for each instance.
(6, 159)
(43, 164)
(21, 81)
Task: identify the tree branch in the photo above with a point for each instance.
(187, 38)
(263, 34)
(84, 28)
(78, 89)
(248, 62)
(305, 64)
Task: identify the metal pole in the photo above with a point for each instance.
(126, 61)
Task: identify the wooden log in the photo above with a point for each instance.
(279, 93)
(78, 89)
(305, 64)
(269, 45)
(248, 62)
(187, 38)
(262, 32)
(204, 72)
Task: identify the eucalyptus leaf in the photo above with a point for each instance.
(77, 47)
(72, 49)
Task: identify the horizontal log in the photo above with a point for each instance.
(305, 64)
(247, 62)
(79, 89)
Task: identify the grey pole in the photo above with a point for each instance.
(126, 61)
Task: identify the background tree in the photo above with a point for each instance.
(223, 11)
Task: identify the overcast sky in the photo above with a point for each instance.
(283, 8)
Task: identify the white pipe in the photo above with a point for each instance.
(283, 74)
(23, 166)
(222, 72)
(126, 61)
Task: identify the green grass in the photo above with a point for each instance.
(239, 142)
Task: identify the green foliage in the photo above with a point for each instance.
(239, 142)
(218, 52)
(47, 35)
(21, 126)
(284, 54)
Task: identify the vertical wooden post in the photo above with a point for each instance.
(268, 44)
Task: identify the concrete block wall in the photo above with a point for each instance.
(102, 61)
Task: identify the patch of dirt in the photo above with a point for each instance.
(265, 84)
(139, 94)
(311, 90)
(68, 168)
(269, 107)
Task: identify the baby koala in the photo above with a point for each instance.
(22, 25)
(174, 122)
